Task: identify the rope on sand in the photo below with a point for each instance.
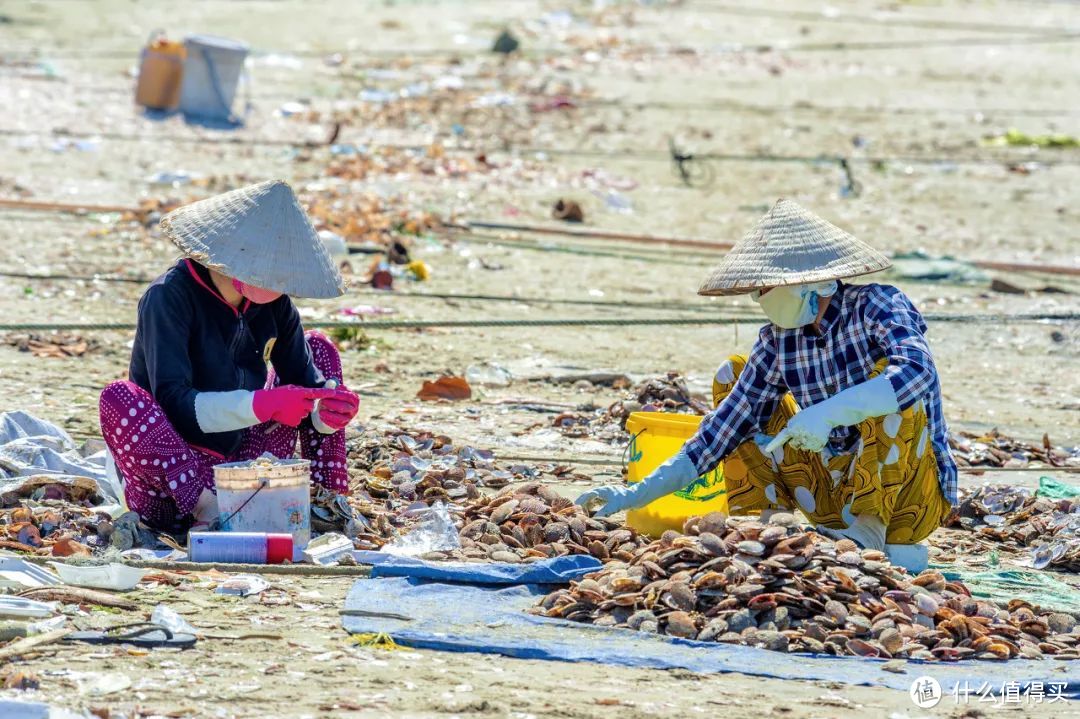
(618, 462)
(588, 322)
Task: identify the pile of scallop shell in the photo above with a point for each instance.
(1047, 529)
(397, 473)
(534, 522)
(776, 586)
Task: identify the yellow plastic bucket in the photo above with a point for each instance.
(655, 438)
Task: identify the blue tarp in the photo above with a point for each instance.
(559, 570)
(491, 619)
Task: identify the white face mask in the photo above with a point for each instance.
(793, 306)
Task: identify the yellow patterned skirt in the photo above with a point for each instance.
(892, 473)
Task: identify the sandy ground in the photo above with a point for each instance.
(937, 101)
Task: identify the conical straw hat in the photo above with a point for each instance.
(791, 246)
(259, 235)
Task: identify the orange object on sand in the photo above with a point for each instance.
(445, 387)
(160, 74)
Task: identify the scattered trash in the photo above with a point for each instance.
(568, 211)
(617, 202)
(99, 684)
(15, 709)
(167, 617)
(1014, 137)
(21, 607)
(488, 375)
(175, 178)
(418, 271)
(921, 266)
(19, 574)
(21, 679)
(68, 547)
(435, 533)
(243, 585)
(505, 43)
(41, 461)
(327, 549)
(334, 244)
(52, 345)
(445, 387)
(367, 311)
(1056, 489)
(114, 576)
(292, 108)
(999, 285)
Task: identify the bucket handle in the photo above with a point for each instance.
(626, 449)
(263, 482)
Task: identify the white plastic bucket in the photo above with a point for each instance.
(266, 495)
(211, 73)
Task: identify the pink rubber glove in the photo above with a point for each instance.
(336, 412)
(287, 404)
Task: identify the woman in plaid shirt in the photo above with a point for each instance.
(837, 409)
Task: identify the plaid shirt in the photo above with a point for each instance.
(863, 324)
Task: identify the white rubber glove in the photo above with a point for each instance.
(671, 476)
(809, 429)
(868, 531)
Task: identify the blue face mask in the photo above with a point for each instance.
(792, 306)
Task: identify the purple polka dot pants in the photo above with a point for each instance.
(163, 475)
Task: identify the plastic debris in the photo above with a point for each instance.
(168, 618)
(104, 683)
(367, 311)
(243, 585)
(174, 178)
(505, 43)
(568, 211)
(114, 576)
(20, 607)
(435, 533)
(327, 549)
(15, 709)
(18, 573)
(488, 375)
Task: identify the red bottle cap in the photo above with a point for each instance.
(278, 548)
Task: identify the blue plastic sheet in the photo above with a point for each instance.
(558, 570)
(491, 619)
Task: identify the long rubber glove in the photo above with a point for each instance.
(809, 429)
(336, 412)
(671, 476)
(288, 404)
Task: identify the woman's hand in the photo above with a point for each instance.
(288, 404)
(338, 410)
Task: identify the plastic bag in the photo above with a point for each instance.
(168, 618)
(436, 533)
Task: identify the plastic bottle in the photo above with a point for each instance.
(240, 547)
